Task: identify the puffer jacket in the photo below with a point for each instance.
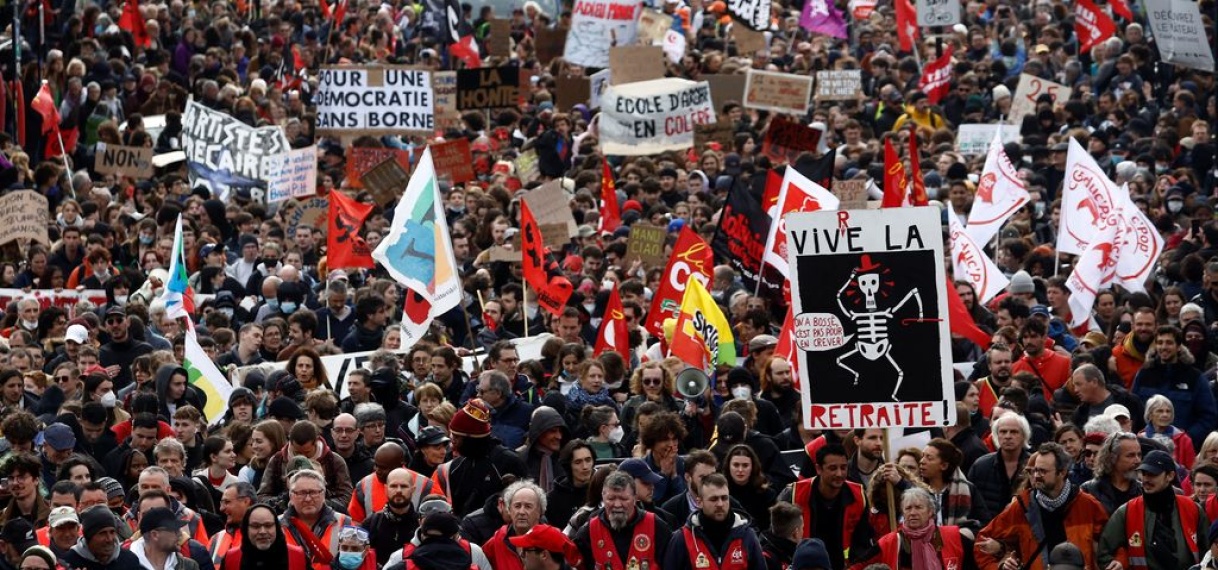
(1185, 386)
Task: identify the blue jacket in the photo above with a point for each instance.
(1187, 389)
(510, 422)
(677, 555)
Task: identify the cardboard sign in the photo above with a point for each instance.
(549, 44)
(726, 88)
(653, 24)
(646, 244)
(224, 155)
(974, 139)
(748, 41)
(130, 161)
(597, 26)
(1180, 33)
(292, 174)
(722, 132)
(452, 161)
(628, 64)
(1030, 89)
(23, 216)
(444, 86)
(839, 85)
(386, 181)
(778, 92)
(651, 117)
(499, 42)
(360, 160)
(869, 298)
(313, 212)
(852, 193)
(551, 206)
(487, 88)
(933, 13)
(374, 100)
(571, 91)
(526, 166)
(785, 139)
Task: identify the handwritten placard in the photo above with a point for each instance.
(646, 243)
(130, 161)
(386, 181)
(291, 174)
(23, 215)
(839, 85)
(452, 161)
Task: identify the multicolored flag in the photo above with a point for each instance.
(178, 296)
(202, 373)
(691, 260)
(702, 337)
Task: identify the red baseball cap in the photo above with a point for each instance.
(550, 539)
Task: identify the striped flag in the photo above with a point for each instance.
(202, 373)
(178, 296)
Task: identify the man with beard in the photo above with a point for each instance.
(1129, 356)
(480, 461)
(1095, 394)
(833, 508)
(1051, 368)
(98, 548)
(868, 455)
(1169, 372)
(1159, 530)
(525, 502)
(265, 547)
(547, 434)
(714, 536)
(1052, 512)
(370, 493)
(777, 387)
(396, 523)
(618, 527)
(1116, 476)
(990, 387)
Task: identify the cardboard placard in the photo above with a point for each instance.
(444, 86)
(312, 212)
(374, 100)
(572, 91)
(386, 181)
(292, 174)
(597, 84)
(549, 44)
(526, 166)
(933, 13)
(499, 42)
(726, 88)
(130, 161)
(452, 161)
(628, 64)
(24, 215)
(839, 85)
(646, 244)
(551, 207)
(778, 92)
(1030, 89)
(748, 41)
(1179, 33)
(653, 24)
(360, 160)
(722, 132)
(785, 139)
(487, 88)
(852, 193)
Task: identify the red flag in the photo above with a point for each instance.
(1121, 8)
(466, 50)
(612, 333)
(131, 21)
(611, 214)
(895, 182)
(324, 6)
(936, 77)
(691, 258)
(773, 186)
(345, 247)
(553, 289)
(44, 104)
(340, 12)
(907, 25)
(960, 321)
(786, 346)
(1091, 25)
(917, 184)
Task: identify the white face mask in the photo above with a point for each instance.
(29, 325)
(616, 434)
(109, 400)
(742, 392)
(532, 309)
(120, 299)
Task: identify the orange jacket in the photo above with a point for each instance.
(1085, 520)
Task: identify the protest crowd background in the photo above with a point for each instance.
(443, 285)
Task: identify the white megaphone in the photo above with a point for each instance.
(692, 383)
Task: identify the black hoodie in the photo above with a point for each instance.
(439, 553)
(191, 397)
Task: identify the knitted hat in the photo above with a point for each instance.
(1021, 282)
(95, 520)
(41, 552)
(473, 420)
(811, 555)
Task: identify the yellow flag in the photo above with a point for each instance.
(702, 337)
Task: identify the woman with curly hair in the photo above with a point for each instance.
(305, 364)
(661, 438)
(650, 382)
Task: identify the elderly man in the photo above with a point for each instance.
(308, 521)
(994, 473)
(235, 501)
(525, 503)
(98, 548)
(1115, 463)
(510, 416)
(616, 526)
(1095, 394)
(156, 478)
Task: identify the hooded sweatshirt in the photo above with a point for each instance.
(163, 376)
(81, 558)
(545, 419)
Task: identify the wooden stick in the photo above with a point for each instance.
(892, 503)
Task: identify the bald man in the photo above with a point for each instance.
(345, 431)
(370, 493)
(395, 524)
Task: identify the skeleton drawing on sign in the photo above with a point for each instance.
(872, 323)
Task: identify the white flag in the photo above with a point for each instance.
(969, 262)
(1095, 271)
(1140, 244)
(798, 194)
(1090, 202)
(1000, 194)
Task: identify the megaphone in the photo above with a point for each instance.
(692, 383)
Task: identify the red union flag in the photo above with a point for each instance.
(613, 334)
(691, 259)
(345, 246)
(798, 194)
(1091, 25)
(907, 25)
(970, 263)
(936, 77)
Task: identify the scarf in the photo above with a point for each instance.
(1132, 349)
(957, 501)
(1052, 505)
(922, 546)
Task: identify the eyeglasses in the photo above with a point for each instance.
(116, 320)
(307, 494)
(1089, 453)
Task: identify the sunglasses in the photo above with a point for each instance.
(653, 381)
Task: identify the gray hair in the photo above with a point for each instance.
(155, 470)
(499, 382)
(1106, 425)
(1091, 373)
(1106, 457)
(510, 493)
(245, 490)
(369, 412)
(307, 474)
(171, 445)
(619, 481)
(918, 494)
(1061, 459)
(1022, 422)
(1155, 402)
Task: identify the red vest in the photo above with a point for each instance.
(1135, 528)
(409, 549)
(500, 552)
(988, 397)
(221, 543)
(952, 555)
(850, 519)
(642, 546)
(700, 557)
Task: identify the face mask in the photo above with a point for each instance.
(29, 325)
(532, 309)
(616, 434)
(288, 307)
(742, 392)
(109, 400)
(273, 304)
(350, 560)
(120, 299)
(1174, 206)
(589, 307)
(226, 312)
(1160, 168)
(145, 240)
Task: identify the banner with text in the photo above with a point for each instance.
(377, 100)
(487, 88)
(974, 138)
(596, 26)
(452, 161)
(839, 85)
(1180, 33)
(1030, 89)
(654, 116)
(23, 215)
(292, 174)
(225, 155)
(752, 13)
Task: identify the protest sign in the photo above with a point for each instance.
(742, 230)
(974, 138)
(571, 91)
(851, 193)
(487, 88)
(653, 24)
(444, 87)
(551, 208)
(785, 139)
(1180, 33)
(362, 159)
(386, 181)
(596, 26)
(526, 166)
(722, 132)
(131, 161)
(549, 44)
(499, 42)
(646, 244)
(778, 92)
(1030, 89)
(868, 291)
(225, 155)
(23, 215)
(377, 100)
(839, 85)
(933, 13)
(291, 174)
(748, 41)
(725, 87)
(65, 299)
(452, 161)
(752, 13)
(597, 84)
(654, 116)
(312, 212)
(629, 64)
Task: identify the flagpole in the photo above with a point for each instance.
(469, 327)
(524, 305)
(63, 151)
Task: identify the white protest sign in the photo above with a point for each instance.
(933, 13)
(1180, 33)
(292, 174)
(225, 155)
(974, 138)
(674, 45)
(650, 117)
(597, 25)
(598, 83)
(1030, 89)
(374, 101)
(869, 293)
(752, 13)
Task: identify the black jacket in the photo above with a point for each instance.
(989, 475)
(563, 501)
(388, 532)
(621, 539)
(480, 525)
